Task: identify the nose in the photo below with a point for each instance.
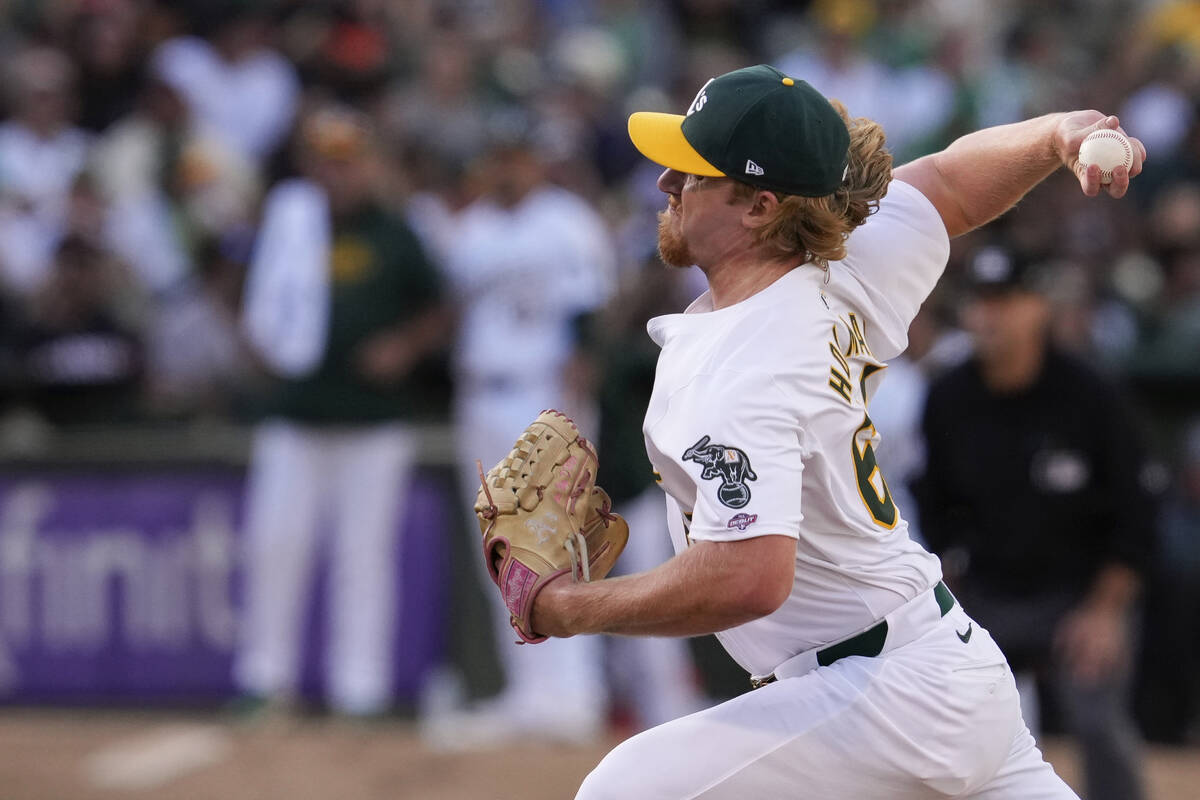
(671, 181)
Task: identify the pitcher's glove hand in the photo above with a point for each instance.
(543, 516)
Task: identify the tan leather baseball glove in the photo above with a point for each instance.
(543, 516)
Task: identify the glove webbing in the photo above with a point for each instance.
(519, 460)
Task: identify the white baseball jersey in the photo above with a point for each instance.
(759, 425)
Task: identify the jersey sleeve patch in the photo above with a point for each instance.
(737, 439)
(728, 464)
(742, 521)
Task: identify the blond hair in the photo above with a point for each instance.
(816, 227)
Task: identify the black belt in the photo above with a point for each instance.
(869, 643)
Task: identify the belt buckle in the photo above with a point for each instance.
(758, 683)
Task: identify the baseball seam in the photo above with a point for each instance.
(1125, 145)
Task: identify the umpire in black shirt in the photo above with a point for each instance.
(1033, 499)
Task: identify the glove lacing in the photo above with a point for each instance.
(576, 545)
(491, 510)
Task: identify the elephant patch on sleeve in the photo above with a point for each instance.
(730, 464)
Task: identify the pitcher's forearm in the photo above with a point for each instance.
(710, 587)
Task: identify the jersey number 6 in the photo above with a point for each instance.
(876, 497)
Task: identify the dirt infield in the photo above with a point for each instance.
(56, 755)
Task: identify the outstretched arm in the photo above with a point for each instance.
(983, 174)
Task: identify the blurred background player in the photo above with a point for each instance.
(1033, 496)
(341, 305)
(232, 79)
(41, 155)
(81, 360)
(517, 354)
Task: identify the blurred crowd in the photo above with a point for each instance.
(142, 139)
(139, 140)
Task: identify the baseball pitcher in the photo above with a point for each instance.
(874, 682)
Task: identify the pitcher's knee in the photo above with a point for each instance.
(593, 788)
(605, 782)
(621, 775)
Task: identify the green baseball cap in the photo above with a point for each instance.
(755, 125)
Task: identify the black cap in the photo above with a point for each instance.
(756, 125)
(996, 269)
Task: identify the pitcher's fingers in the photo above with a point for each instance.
(1120, 182)
(1089, 179)
(1139, 156)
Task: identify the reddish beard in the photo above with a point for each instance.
(672, 248)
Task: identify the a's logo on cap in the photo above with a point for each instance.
(752, 168)
(701, 99)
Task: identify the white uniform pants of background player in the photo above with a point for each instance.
(355, 479)
(556, 688)
(936, 718)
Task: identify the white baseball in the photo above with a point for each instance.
(1107, 149)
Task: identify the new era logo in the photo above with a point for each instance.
(752, 168)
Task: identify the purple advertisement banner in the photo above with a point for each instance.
(125, 587)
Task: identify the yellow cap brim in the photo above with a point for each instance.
(659, 137)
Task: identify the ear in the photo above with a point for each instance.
(761, 209)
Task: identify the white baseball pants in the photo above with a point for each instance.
(356, 479)
(937, 718)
